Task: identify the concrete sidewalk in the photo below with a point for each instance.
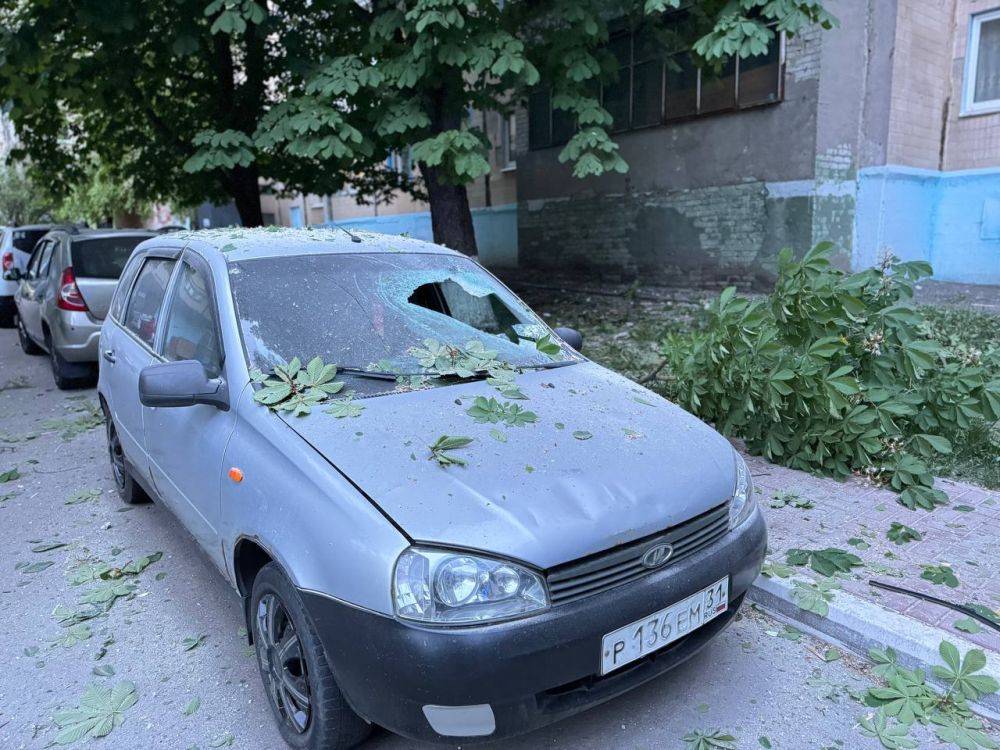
(809, 512)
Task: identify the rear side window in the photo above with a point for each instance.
(142, 316)
(191, 331)
(102, 258)
(26, 239)
(121, 291)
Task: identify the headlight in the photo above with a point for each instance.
(742, 502)
(432, 585)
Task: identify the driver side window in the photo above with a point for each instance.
(192, 331)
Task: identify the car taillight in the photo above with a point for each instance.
(8, 260)
(69, 297)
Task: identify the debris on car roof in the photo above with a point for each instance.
(253, 242)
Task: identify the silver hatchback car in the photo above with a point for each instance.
(63, 296)
(460, 531)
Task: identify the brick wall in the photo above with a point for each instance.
(728, 234)
(921, 82)
(973, 142)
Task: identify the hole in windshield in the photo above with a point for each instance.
(487, 312)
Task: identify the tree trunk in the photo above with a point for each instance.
(244, 187)
(451, 218)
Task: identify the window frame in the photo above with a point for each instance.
(970, 107)
(665, 119)
(157, 254)
(508, 136)
(200, 265)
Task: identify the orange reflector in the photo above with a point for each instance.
(236, 474)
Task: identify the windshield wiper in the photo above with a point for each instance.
(377, 374)
(551, 365)
(478, 375)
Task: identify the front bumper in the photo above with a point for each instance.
(530, 671)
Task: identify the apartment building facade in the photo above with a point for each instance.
(882, 135)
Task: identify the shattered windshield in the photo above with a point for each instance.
(379, 312)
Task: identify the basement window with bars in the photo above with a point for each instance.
(654, 86)
(981, 92)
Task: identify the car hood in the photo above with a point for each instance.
(550, 493)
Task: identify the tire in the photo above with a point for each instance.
(128, 489)
(66, 375)
(290, 655)
(27, 345)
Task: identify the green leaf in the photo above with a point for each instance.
(893, 736)
(582, 434)
(547, 346)
(343, 408)
(9, 476)
(100, 711)
(827, 562)
(901, 534)
(192, 707)
(940, 575)
(48, 546)
(441, 450)
(33, 567)
(135, 567)
(813, 597)
(192, 642)
(960, 674)
(82, 496)
(715, 739)
(967, 625)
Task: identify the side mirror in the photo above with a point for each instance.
(183, 383)
(14, 274)
(571, 336)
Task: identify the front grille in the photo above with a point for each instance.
(623, 564)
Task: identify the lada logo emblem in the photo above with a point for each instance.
(656, 556)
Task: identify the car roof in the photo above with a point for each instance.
(242, 243)
(76, 233)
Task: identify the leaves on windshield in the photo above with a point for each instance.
(547, 346)
(443, 360)
(490, 410)
(444, 445)
(295, 389)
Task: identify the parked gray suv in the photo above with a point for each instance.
(462, 529)
(63, 296)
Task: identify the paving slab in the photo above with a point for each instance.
(854, 516)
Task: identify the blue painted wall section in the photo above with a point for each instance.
(496, 230)
(951, 219)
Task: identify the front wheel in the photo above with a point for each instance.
(128, 489)
(306, 702)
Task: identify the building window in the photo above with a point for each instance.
(653, 87)
(508, 141)
(982, 65)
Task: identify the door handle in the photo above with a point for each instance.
(109, 354)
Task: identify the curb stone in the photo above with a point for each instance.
(860, 625)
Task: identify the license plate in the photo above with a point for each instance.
(625, 645)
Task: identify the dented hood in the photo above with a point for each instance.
(545, 496)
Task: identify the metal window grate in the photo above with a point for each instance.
(620, 565)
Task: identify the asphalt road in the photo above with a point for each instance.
(751, 681)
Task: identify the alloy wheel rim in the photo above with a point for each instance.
(117, 456)
(283, 664)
